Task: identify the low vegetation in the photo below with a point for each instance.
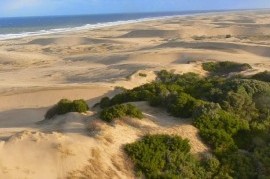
(142, 75)
(199, 37)
(232, 115)
(225, 67)
(119, 111)
(263, 76)
(228, 36)
(164, 156)
(65, 106)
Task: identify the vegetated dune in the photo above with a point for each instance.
(44, 97)
(36, 72)
(78, 145)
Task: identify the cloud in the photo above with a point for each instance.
(12, 5)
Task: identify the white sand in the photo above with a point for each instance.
(36, 72)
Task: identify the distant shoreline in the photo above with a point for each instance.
(99, 25)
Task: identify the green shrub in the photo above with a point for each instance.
(105, 102)
(79, 106)
(240, 103)
(165, 76)
(142, 75)
(240, 165)
(221, 120)
(119, 111)
(65, 106)
(262, 155)
(199, 37)
(53, 111)
(262, 103)
(131, 96)
(244, 140)
(263, 76)
(182, 105)
(164, 156)
(212, 166)
(225, 67)
(156, 101)
(217, 128)
(231, 113)
(219, 140)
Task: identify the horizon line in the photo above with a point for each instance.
(140, 12)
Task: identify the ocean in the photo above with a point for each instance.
(17, 27)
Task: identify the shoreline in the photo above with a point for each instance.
(61, 31)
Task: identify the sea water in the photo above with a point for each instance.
(17, 27)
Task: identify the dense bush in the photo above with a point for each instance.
(262, 156)
(65, 106)
(222, 120)
(225, 67)
(228, 36)
(142, 75)
(119, 111)
(243, 140)
(231, 113)
(240, 165)
(79, 106)
(263, 76)
(219, 140)
(105, 102)
(182, 105)
(218, 127)
(131, 96)
(164, 156)
(239, 102)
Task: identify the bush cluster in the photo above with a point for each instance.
(65, 106)
(228, 36)
(142, 75)
(164, 156)
(262, 76)
(232, 114)
(225, 67)
(119, 111)
(218, 129)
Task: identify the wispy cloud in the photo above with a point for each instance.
(12, 5)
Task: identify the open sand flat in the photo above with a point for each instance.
(36, 72)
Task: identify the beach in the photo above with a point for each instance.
(37, 71)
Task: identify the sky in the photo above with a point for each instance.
(9, 8)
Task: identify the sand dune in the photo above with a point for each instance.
(65, 146)
(151, 33)
(67, 41)
(36, 72)
(22, 59)
(221, 46)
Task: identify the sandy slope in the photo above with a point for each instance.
(36, 72)
(77, 145)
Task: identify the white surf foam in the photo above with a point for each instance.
(84, 27)
(98, 25)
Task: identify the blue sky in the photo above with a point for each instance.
(67, 7)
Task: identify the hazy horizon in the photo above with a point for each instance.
(147, 12)
(22, 8)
